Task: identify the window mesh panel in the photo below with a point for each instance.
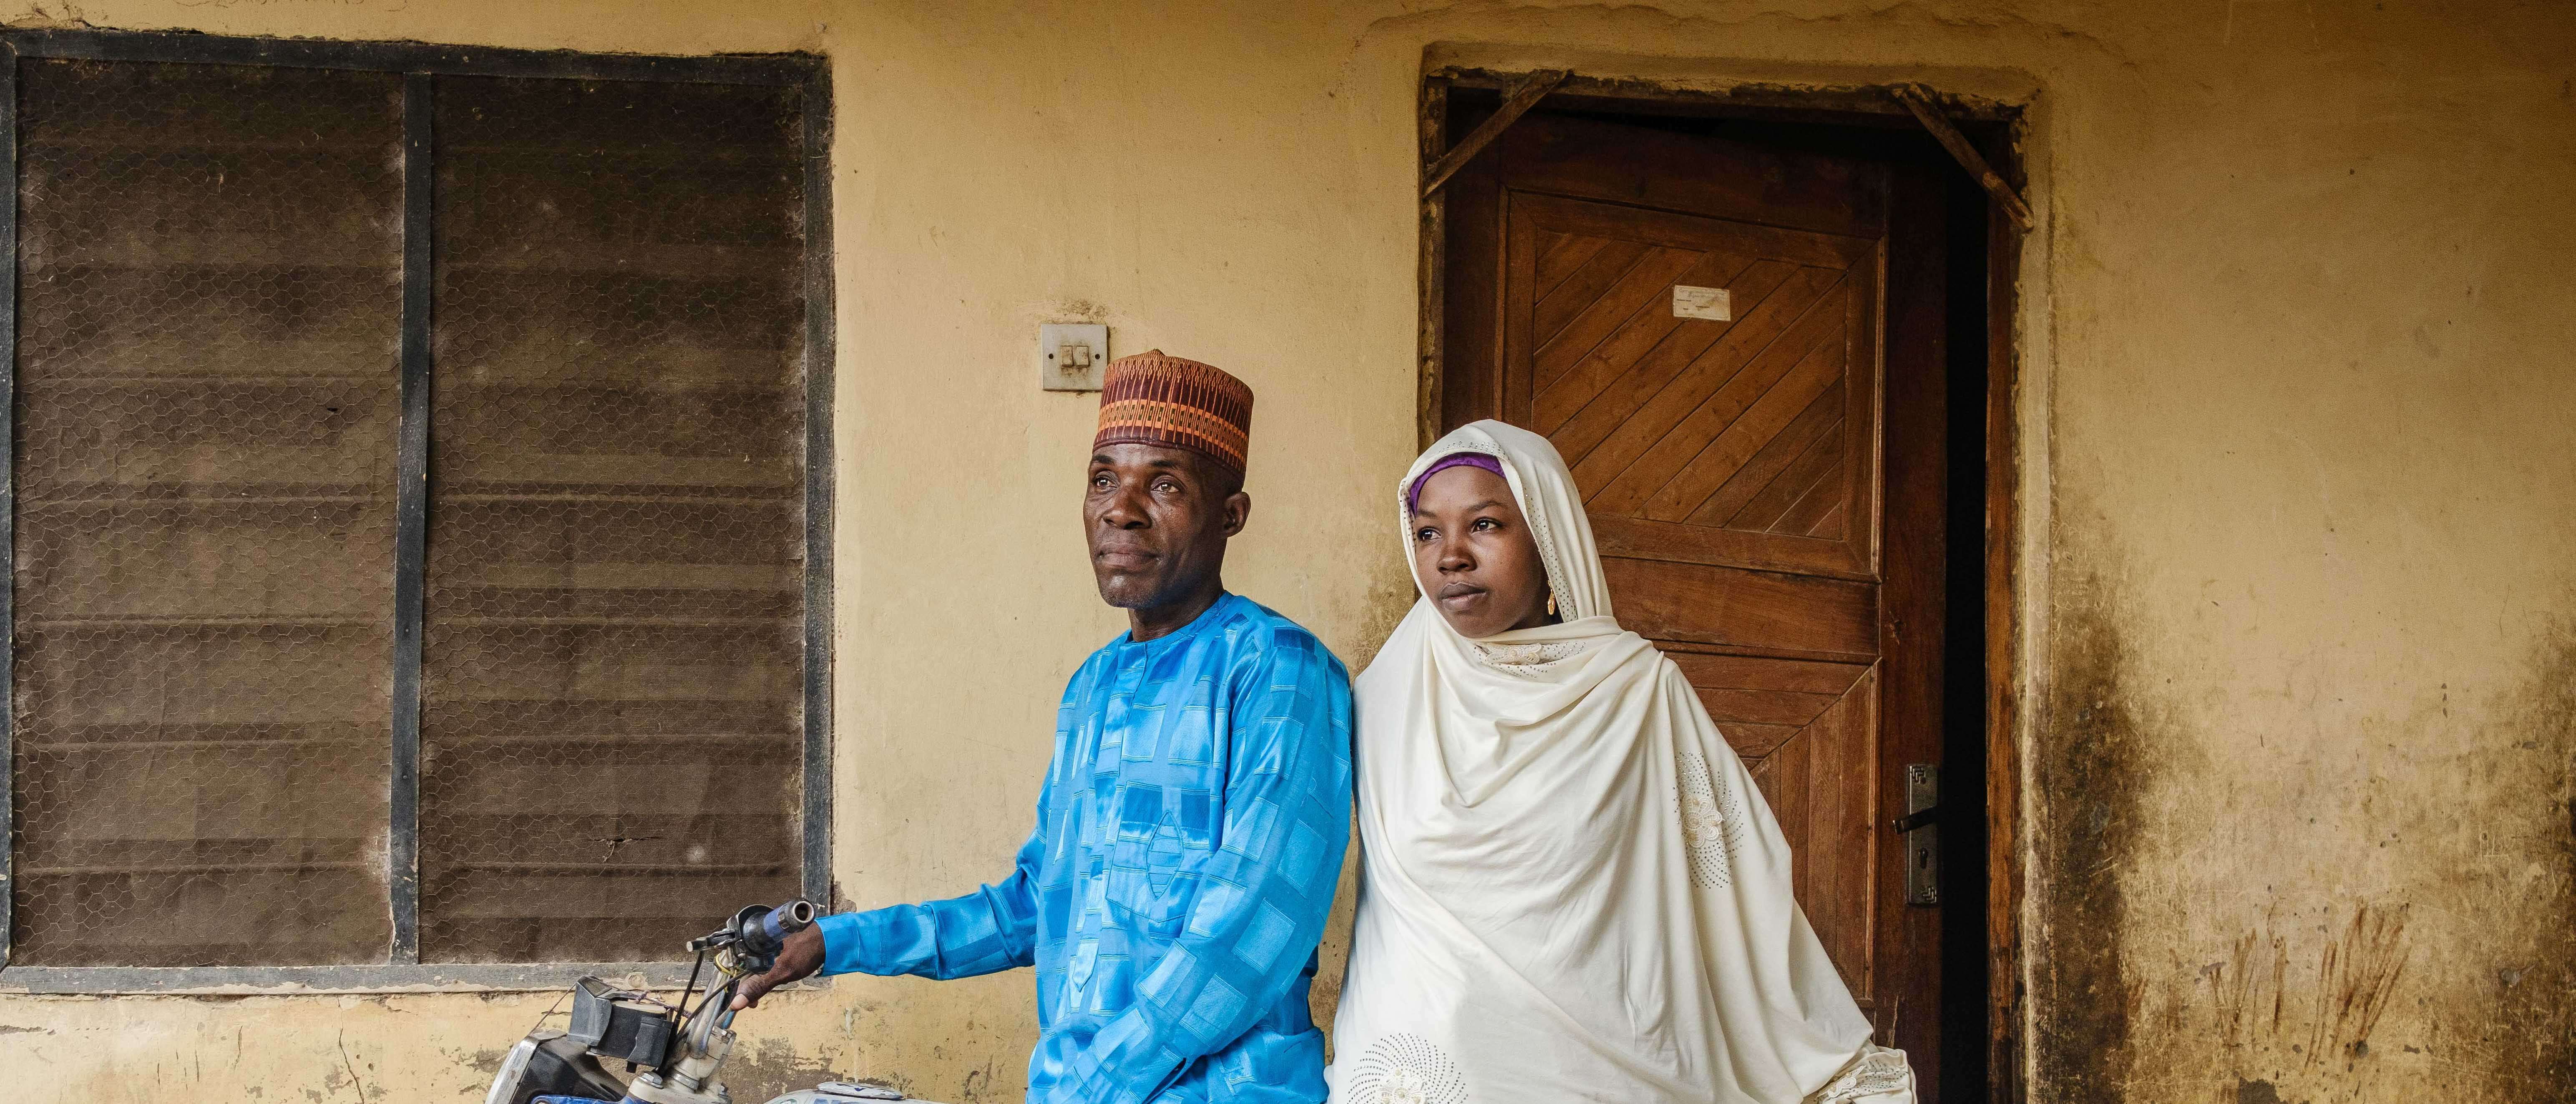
(210, 305)
(612, 706)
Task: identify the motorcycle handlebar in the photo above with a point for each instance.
(787, 919)
(758, 932)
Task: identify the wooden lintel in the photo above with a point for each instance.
(1516, 103)
(1919, 101)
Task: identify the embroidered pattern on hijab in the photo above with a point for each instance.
(1877, 1071)
(1522, 659)
(1405, 1068)
(1711, 818)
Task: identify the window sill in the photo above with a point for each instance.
(462, 977)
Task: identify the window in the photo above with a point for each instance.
(416, 458)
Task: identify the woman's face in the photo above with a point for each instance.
(1474, 554)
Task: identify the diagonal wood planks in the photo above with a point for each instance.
(1681, 376)
(1662, 440)
(1587, 405)
(1733, 424)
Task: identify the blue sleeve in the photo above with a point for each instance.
(990, 930)
(1263, 894)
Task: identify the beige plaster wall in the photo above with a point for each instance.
(2298, 338)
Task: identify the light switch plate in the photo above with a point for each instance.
(1062, 348)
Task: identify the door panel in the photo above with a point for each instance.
(1837, 751)
(1773, 612)
(1693, 439)
(1739, 470)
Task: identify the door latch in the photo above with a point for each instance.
(1922, 834)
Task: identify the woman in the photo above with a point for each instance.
(1571, 889)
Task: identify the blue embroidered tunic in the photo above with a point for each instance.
(1187, 846)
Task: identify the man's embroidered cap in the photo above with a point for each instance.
(1153, 399)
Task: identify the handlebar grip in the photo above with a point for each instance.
(787, 919)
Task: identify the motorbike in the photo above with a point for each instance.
(672, 1050)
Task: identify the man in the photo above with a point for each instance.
(1191, 829)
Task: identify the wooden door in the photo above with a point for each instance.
(1738, 350)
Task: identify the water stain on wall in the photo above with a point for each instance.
(773, 1067)
(2088, 759)
(2534, 1005)
(2445, 966)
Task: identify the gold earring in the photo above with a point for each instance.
(1551, 603)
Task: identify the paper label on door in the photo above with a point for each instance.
(1701, 302)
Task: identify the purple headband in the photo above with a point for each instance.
(1413, 494)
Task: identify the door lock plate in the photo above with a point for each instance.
(1922, 834)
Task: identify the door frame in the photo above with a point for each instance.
(1997, 129)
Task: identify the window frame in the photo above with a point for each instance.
(420, 64)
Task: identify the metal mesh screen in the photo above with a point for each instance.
(206, 403)
(611, 728)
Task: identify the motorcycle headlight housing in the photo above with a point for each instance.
(505, 1086)
(551, 1064)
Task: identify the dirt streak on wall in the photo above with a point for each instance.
(2176, 962)
(2188, 952)
(2346, 996)
(2092, 764)
(2538, 1002)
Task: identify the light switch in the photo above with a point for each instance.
(1071, 356)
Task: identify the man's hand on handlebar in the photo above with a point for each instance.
(797, 960)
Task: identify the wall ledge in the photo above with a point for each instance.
(316, 980)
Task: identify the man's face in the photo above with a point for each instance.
(1157, 519)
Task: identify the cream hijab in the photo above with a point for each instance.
(1571, 889)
